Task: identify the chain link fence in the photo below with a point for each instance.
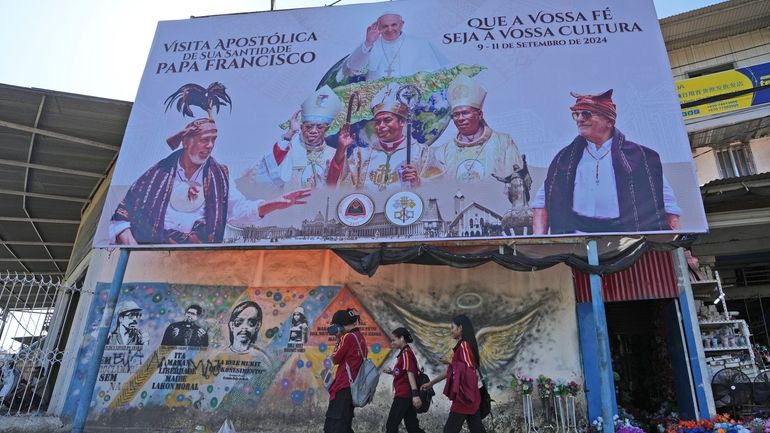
(35, 317)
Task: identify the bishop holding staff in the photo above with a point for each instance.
(382, 165)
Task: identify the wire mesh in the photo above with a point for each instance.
(34, 317)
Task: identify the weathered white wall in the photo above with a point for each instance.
(760, 151)
(705, 165)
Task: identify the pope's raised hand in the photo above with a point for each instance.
(372, 33)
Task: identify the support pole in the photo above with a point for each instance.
(698, 367)
(79, 422)
(606, 379)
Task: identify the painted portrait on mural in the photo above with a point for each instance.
(243, 327)
(299, 327)
(127, 331)
(187, 332)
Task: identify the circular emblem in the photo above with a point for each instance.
(403, 208)
(186, 197)
(355, 210)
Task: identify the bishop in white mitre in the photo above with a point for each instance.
(383, 164)
(302, 160)
(477, 152)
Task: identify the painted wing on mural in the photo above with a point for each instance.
(497, 343)
(433, 338)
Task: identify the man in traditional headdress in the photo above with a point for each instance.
(186, 197)
(602, 182)
(302, 160)
(477, 152)
(388, 52)
(126, 330)
(382, 164)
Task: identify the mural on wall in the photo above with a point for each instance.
(197, 355)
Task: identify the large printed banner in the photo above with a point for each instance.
(730, 90)
(406, 121)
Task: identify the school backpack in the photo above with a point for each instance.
(425, 395)
(363, 387)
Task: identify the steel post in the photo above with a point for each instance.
(79, 422)
(606, 379)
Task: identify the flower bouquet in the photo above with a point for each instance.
(522, 385)
(545, 386)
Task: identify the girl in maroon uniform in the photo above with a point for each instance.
(351, 350)
(406, 399)
(462, 386)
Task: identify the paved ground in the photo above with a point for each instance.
(31, 424)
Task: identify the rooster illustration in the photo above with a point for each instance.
(208, 99)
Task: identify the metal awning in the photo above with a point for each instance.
(738, 131)
(55, 150)
(714, 22)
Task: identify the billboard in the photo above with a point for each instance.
(724, 92)
(404, 122)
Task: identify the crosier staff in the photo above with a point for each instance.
(409, 95)
(346, 139)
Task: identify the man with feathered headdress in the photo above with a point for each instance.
(186, 197)
(383, 164)
(602, 182)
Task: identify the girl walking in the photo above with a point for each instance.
(406, 399)
(462, 385)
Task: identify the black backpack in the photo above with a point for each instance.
(427, 395)
(485, 408)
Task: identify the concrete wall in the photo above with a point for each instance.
(525, 322)
(760, 151)
(706, 167)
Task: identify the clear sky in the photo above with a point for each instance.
(99, 47)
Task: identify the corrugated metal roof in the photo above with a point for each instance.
(738, 181)
(727, 134)
(55, 150)
(652, 277)
(715, 22)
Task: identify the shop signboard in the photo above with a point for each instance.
(724, 92)
(410, 121)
